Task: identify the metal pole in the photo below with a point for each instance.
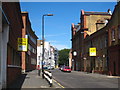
(43, 45)
(43, 41)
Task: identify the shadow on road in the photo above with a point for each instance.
(18, 82)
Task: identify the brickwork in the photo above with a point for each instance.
(13, 13)
(29, 58)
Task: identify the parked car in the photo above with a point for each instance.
(62, 67)
(50, 67)
(66, 69)
(45, 67)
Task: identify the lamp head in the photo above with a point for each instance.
(48, 15)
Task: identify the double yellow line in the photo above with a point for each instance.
(58, 83)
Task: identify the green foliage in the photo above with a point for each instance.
(63, 57)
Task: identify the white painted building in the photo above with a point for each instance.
(49, 55)
(56, 56)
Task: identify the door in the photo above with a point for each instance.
(114, 66)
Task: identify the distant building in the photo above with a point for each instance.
(50, 55)
(10, 58)
(56, 56)
(29, 57)
(39, 53)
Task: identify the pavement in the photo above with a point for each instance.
(96, 74)
(32, 80)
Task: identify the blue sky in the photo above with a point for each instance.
(58, 27)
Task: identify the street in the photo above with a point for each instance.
(77, 79)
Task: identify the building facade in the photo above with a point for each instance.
(70, 60)
(99, 62)
(56, 56)
(10, 59)
(90, 23)
(76, 43)
(50, 55)
(29, 57)
(114, 42)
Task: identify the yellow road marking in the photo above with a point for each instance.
(58, 83)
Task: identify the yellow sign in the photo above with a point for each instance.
(22, 44)
(92, 51)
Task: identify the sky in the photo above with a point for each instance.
(58, 27)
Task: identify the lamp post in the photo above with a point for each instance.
(43, 41)
(74, 60)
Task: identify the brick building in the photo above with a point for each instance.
(76, 46)
(98, 63)
(10, 59)
(114, 42)
(70, 60)
(90, 23)
(29, 58)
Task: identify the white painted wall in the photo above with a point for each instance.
(4, 35)
(49, 55)
(3, 41)
(0, 43)
(0, 61)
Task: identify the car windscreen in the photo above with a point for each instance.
(67, 68)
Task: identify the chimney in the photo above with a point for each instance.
(73, 29)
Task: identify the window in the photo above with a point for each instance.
(119, 32)
(105, 42)
(113, 35)
(101, 43)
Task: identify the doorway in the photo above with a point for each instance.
(114, 68)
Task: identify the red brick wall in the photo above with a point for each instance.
(13, 14)
(114, 60)
(26, 64)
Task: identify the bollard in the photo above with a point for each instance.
(48, 77)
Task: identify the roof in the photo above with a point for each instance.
(94, 13)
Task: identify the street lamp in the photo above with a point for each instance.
(43, 40)
(74, 61)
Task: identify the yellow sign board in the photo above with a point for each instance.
(92, 51)
(22, 44)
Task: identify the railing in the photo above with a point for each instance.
(48, 77)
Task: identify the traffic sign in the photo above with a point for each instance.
(22, 44)
(92, 51)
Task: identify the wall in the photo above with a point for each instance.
(114, 42)
(12, 12)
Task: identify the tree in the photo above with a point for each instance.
(63, 57)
